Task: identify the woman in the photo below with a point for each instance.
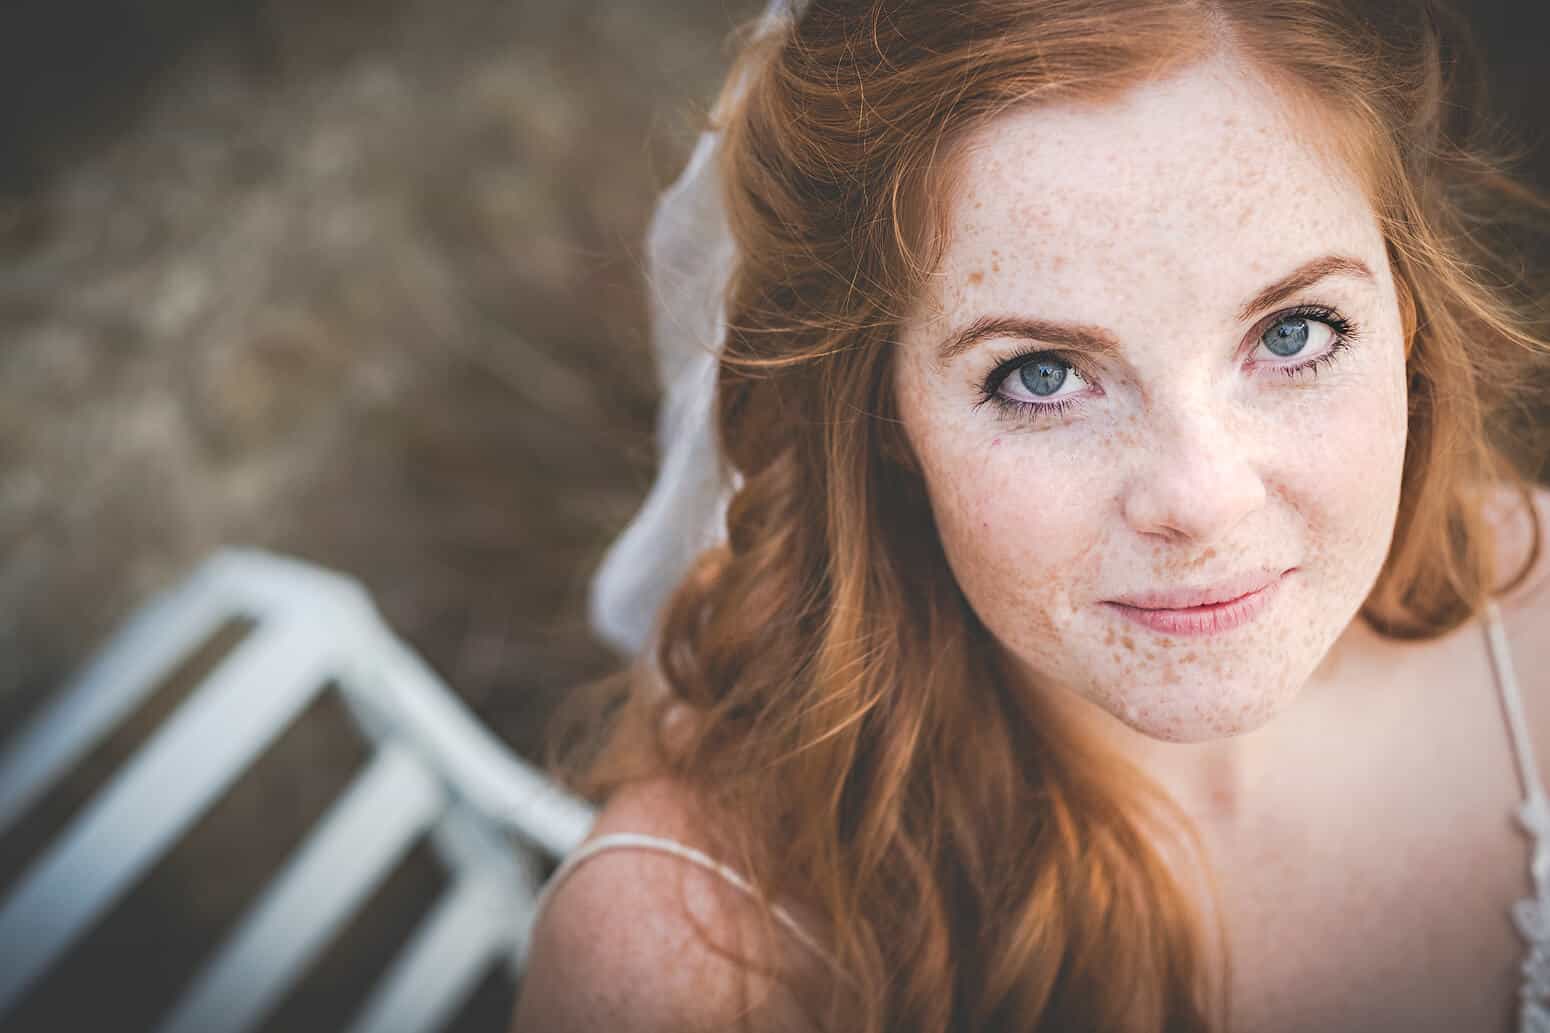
(1104, 632)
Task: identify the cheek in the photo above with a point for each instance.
(1020, 527)
(1343, 477)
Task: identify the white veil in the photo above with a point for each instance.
(689, 255)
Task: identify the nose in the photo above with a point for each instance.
(1195, 482)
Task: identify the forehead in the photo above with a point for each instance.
(1202, 183)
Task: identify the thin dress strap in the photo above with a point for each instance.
(1512, 703)
(1531, 914)
(661, 844)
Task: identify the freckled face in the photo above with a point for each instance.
(1159, 422)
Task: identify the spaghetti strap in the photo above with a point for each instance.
(661, 844)
(1512, 704)
(1531, 915)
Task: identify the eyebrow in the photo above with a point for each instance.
(1096, 340)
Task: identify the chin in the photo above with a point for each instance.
(1195, 714)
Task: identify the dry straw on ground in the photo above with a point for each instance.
(357, 281)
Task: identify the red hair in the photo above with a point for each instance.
(975, 864)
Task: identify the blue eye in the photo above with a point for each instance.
(1043, 376)
(1312, 334)
(1041, 385)
(1287, 337)
(1034, 384)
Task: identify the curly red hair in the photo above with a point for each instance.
(853, 743)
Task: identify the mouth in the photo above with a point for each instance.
(1207, 610)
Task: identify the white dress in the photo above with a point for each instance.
(1531, 915)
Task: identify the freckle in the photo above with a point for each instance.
(1128, 642)
(995, 267)
(1188, 658)
(1209, 553)
(977, 276)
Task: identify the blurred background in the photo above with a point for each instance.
(357, 281)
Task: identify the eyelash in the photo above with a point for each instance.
(1345, 333)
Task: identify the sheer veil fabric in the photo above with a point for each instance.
(689, 257)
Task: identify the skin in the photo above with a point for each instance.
(1188, 456)
(1353, 794)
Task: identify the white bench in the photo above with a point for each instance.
(434, 771)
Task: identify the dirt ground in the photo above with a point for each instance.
(357, 281)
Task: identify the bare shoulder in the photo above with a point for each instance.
(636, 940)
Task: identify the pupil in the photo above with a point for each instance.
(1287, 337)
(1044, 377)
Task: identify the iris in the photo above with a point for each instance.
(1287, 337)
(1044, 376)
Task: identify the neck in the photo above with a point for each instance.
(1227, 782)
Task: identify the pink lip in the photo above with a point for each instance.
(1201, 611)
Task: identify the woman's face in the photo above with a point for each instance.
(1161, 367)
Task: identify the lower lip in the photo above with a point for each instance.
(1201, 620)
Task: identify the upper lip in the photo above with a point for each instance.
(1223, 591)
